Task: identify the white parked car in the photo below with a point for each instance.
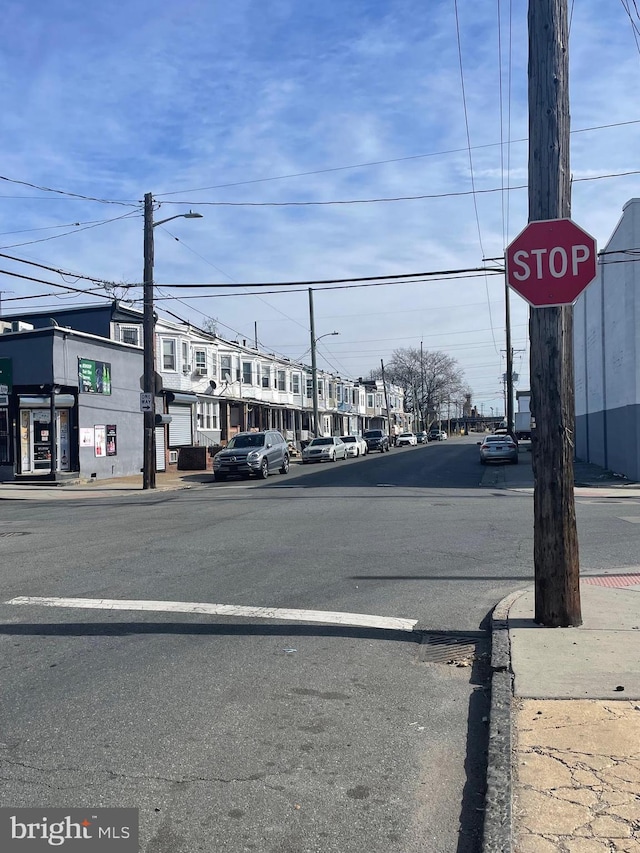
(407, 438)
(356, 445)
(324, 449)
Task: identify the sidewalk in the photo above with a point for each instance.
(564, 758)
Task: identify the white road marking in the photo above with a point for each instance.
(632, 519)
(359, 620)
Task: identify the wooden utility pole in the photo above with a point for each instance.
(557, 590)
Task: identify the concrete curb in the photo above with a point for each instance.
(497, 815)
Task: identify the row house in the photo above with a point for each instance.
(210, 387)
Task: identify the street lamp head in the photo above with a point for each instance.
(192, 215)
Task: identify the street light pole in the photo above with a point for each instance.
(314, 368)
(149, 373)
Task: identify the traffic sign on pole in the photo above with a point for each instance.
(551, 262)
(146, 402)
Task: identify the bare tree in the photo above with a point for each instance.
(428, 379)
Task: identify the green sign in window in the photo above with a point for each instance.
(94, 377)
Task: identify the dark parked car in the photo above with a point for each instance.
(422, 437)
(248, 453)
(376, 439)
(436, 434)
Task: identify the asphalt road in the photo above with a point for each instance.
(236, 734)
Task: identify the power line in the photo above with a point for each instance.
(371, 278)
(75, 276)
(66, 233)
(68, 194)
(382, 162)
(50, 283)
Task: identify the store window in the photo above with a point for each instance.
(4, 436)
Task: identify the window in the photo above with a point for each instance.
(207, 414)
(295, 383)
(200, 358)
(354, 396)
(225, 368)
(332, 390)
(266, 373)
(379, 400)
(339, 393)
(320, 387)
(369, 401)
(130, 335)
(185, 353)
(282, 380)
(247, 372)
(168, 354)
(309, 393)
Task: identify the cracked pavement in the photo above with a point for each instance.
(577, 776)
(576, 722)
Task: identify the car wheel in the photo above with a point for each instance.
(264, 470)
(285, 465)
(333, 457)
(220, 477)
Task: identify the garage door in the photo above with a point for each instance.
(160, 457)
(180, 426)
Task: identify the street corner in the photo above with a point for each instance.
(576, 776)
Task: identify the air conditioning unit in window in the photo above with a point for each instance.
(201, 371)
(186, 368)
(173, 457)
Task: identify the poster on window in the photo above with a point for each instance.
(112, 440)
(100, 440)
(94, 377)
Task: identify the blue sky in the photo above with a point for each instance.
(113, 100)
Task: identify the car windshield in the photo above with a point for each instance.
(348, 438)
(318, 441)
(246, 441)
(373, 433)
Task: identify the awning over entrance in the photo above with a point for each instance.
(63, 401)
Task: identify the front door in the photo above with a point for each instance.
(35, 440)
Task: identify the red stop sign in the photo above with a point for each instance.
(551, 262)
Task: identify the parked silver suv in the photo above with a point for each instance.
(249, 453)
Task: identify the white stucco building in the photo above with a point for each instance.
(607, 354)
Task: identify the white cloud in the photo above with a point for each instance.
(116, 100)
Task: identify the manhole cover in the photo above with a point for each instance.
(452, 648)
(6, 533)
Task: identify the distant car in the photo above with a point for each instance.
(257, 453)
(324, 449)
(356, 445)
(421, 437)
(436, 434)
(498, 448)
(406, 438)
(377, 439)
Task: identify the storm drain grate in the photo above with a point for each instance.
(453, 648)
(5, 534)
